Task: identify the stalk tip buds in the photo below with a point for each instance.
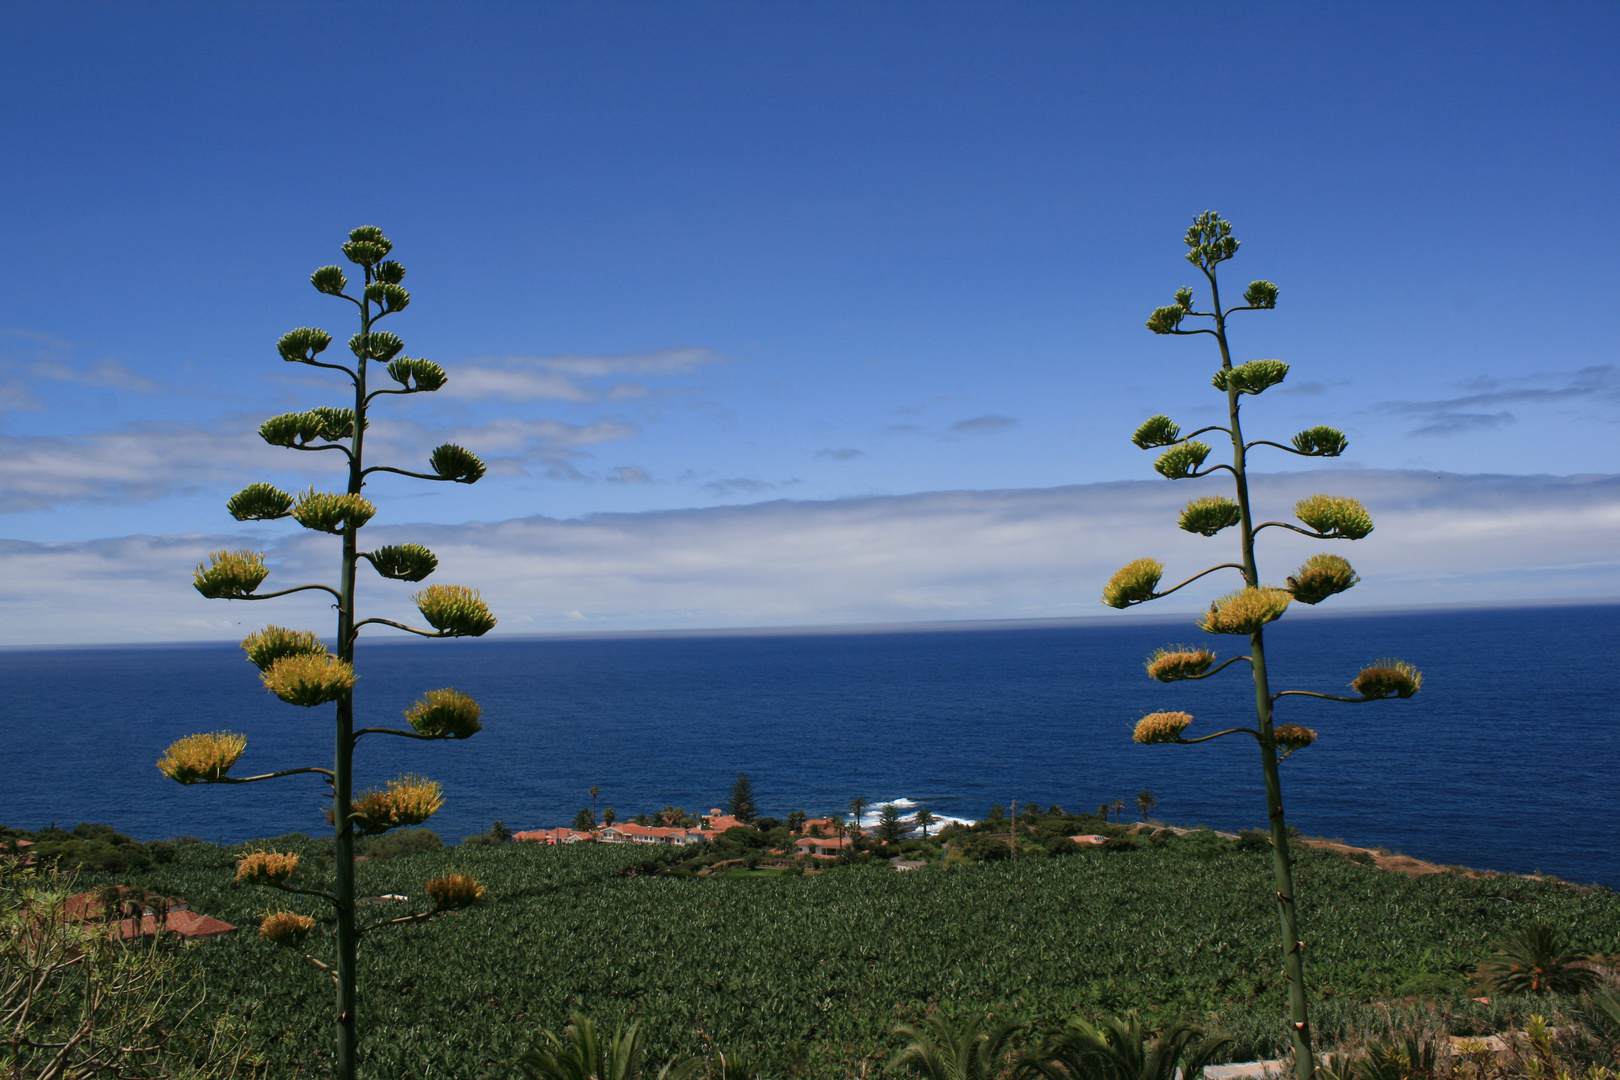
(1161, 727)
(367, 246)
(302, 345)
(202, 759)
(415, 375)
(329, 280)
(286, 928)
(1388, 678)
(1245, 611)
(446, 714)
(1133, 583)
(1177, 662)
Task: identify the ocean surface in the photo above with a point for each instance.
(1507, 760)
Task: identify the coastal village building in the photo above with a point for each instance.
(178, 919)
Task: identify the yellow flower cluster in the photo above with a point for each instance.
(309, 679)
(1179, 662)
(408, 800)
(448, 713)
(202, 759)
(1161, 727)
(286, 928)
(454, 891)
(1133, 583)
(1245, 611)
(266, 867)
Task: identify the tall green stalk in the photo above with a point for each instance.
(298, 667)
(1247, 611)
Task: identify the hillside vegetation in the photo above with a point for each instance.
(813, 972)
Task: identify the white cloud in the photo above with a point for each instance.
(529, 378)
(946, 555)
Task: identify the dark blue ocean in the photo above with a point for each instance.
(1507, 760)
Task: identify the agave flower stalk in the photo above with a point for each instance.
(1247, 611)
(296, 665)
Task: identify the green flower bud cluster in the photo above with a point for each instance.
(1261, 294)
(1181, 462)
(447, 714)
(1336, 517)
(416, 375)
(1164, 320)
(1320, 577)
(259, 502)
(300, 429)
(301, 346)
(230, 575)
(391, 298)
(1321, 441)
(1133, 583)
(377, 345)
(1157, 431)
(329, 280)
(327, 512)
(389, 273)
(403, 562)
(1251, 378)
(1209, 515)
(1211, 241)
(455, 463)
(367, 246)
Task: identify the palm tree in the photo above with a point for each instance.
(1118, 807)
(1537, 960)
(1118, 1049)
(856, 806)
(924, 818)
(795, 821)
(595, 791)
(1146, 801)
(971, 1047)
(584, 1054)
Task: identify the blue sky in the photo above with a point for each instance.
(680, 257)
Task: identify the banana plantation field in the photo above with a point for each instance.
(811, 973)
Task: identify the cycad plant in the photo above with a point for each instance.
(1246, 611)
(972, 1046)
(1538, 960)
(296, 665)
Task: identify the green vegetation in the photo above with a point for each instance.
(295, 664)
(1247, 611)
(78, 1001)
(86, 847)
(810, 973)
